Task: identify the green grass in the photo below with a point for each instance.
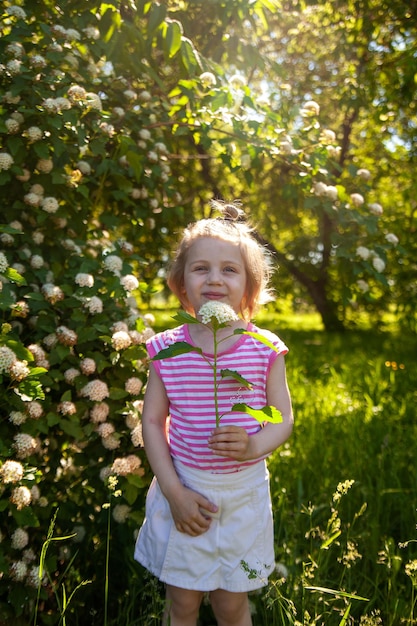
(344, 488)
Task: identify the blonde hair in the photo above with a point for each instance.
(230, 226)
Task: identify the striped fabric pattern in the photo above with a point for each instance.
(188, 380)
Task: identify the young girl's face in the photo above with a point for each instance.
(214, 271)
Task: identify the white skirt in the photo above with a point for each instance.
(235, 554)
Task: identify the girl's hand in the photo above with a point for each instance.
(187, 510)
(231, 441)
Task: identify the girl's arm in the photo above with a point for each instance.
(185, 504)
(234, 442)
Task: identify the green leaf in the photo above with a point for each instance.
(267, 414)
(117, 394)
(30, 390)
(180, 347)
(337, 592)
(226, 373)
(185, 318)
(173, 37)
(330, 540)
(258, 337)
(14, 276)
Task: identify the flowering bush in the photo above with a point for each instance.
(75, 250)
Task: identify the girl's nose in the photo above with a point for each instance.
(214, 277)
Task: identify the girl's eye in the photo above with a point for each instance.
(229, 269)
(200, 268)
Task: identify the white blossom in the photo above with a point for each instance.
(364, 174)
(378, 264)
(133, 386)
(50, 205)
(357, 199)
(20, 539)
(221, 311)
(310, 109)
(375, 208)
(363, 252)
(391, 238)
(95, 390)
(208, 79)
(84, 280)
(6, 161)
(129, 282)
(362, 285)
(11, 472)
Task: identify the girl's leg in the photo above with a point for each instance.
(181, 606)
(231, 609)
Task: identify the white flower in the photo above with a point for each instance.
(364, 174)
(129, 282)
(221, 311)
(66, 336)
(357, 199)
(121, 513)
(45, 165)
(17, 418)
(6, 161)
(126, 465)
(67, 408)
(237, 81)
(7, 358)
(99, 413)
(327, 136)
(113, 263)
(310, 109)
(84, 280)
(16, 11)
(37, 61)
(21, 497)
(95, 390)
(137, 437)
(94, 305)
(375, 208)
(144, 134)
(363, 252)
(36, 262)
(362, 285)
(34, 409)
(20, 539)
(88, 366)
(11, 472)
(70, 375)
(391, 238)
(208, 79)
(12, 126)
(18, 570)
(13, 66)
(331, 192)
(34, 133)
(19, 370)
(133, 386)
(145, 96)
(378, 264)
(121, 340)
(52, 293)
(111, 442)
(84, 167)
(4, 264)
(50, 205)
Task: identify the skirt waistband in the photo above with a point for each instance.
(252, 475)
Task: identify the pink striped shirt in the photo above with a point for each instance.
(188, 380)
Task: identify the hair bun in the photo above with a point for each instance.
(229, 210)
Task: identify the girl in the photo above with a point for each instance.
(208, 525)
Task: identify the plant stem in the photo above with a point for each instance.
(216, 400)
